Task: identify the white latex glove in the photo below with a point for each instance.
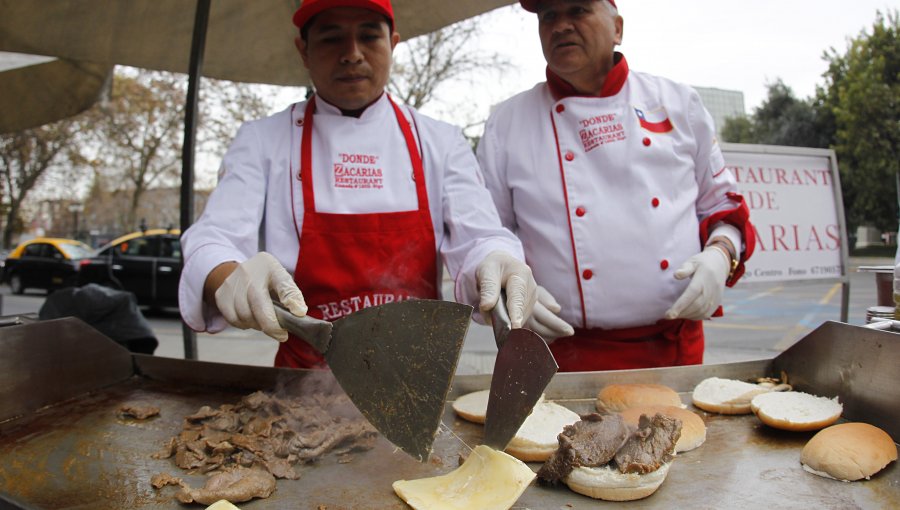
(500, 270)
(245, 297)
(545, 321)
(708, 271)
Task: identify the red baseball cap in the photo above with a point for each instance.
(532, 5)
(310, 8)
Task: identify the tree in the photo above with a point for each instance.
(862, 96)
(426, 63)
(781, 119)
(25, 158)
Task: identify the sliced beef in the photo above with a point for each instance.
(650, 445)
(591, 442)
(235, 486)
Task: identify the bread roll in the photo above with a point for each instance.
(609, 484)
(472, 406)
(487, 480)
(618, 397)
(848, 452)
(536, 439)
(222, 504)
(795, 410)
(725, 396)
(693, 430)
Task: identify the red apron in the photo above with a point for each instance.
(667, 343)
(351, 261)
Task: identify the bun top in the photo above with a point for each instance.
(693, 430)
(849, 451)
(728, 396)
(618, 397)
(795, 410)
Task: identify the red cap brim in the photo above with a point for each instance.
(532, 5)
(309, 9)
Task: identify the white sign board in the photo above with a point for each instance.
(795, 206)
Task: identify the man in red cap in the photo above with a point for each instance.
(615, 183)
(345, 201)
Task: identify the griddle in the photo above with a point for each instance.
(63, 445)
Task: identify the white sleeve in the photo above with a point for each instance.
(228, 229)
(714, 179)
(472, 227)
(493, 168)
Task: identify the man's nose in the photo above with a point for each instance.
(561, 25)
(351, 52)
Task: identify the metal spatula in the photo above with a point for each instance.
(395, 362)
(523, 368)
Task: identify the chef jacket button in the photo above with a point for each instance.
(560, 108)
(654, 202)
(299, 122)
(646, 142)
(664, 264)
(570, 155)
(579, 211)
(587, 274)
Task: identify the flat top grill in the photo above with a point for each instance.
(75, 452)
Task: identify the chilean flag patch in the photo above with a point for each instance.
(656, 121)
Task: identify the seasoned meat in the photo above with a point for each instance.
(267, 433)
(235, 486)
(650, 445)
(137, 411)
(591, 442)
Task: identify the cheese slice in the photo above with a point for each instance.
(487, 480)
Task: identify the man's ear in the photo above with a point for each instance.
(301, 46)
(395, 38)
(620, 29)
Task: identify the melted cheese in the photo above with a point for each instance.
(487, 480)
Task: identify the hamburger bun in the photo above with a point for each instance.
(618, 397)
(609, 484)
(725, 396)
(795, 410)
(536, 439)
(693, 430)
(222, 504)
(472, 406)
(487, 480)
(848, 452)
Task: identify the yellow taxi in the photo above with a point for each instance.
(46, 263)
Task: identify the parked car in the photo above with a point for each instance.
(147, 263)
(47, 263)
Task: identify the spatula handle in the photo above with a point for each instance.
(314, 331)
(500, 320)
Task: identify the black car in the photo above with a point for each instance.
(47, 263)
(146, 263)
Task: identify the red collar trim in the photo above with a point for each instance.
(613, 83)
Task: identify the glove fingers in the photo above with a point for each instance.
(547, 300)
(687, 297)
(686, 269)
(289, 294)
(264, 315)
(517, 300)
(488, 286)
(550, 323)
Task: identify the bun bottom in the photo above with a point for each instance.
(609, 484)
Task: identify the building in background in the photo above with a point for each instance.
(722, 104)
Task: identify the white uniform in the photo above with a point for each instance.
(606, 203)
(367, 171)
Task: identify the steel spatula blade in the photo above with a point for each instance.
(396, 362)
(523, 369)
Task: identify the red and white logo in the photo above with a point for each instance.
(655, 121)
(358, 171)
(599, 130)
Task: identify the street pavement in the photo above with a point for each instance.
(760, 321)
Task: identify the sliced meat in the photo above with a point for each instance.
(650, 445)
(160, 480)
(590, 442)
(235, 486)
(138, 411)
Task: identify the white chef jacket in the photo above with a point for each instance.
(607, 210)
(250, 209)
